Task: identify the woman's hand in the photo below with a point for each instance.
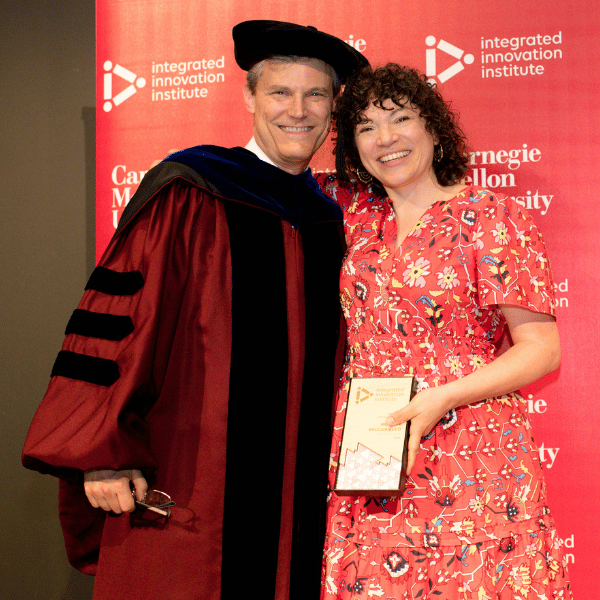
(534, 353)
(424, 412)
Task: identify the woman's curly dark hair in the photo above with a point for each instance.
(400, 85)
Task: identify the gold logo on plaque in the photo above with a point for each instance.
(362, 394)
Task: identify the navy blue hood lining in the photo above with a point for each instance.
(237, 173)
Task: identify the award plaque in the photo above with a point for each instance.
(373, 456)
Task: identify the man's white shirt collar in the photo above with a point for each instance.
(254, 147)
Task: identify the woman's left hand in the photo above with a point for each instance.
(535, 352)
(424, 412)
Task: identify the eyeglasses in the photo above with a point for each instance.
(157, 502)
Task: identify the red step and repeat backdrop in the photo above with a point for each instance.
(524, 76)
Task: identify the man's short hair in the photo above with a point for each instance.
(255, 72)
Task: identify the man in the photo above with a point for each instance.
(201, 357)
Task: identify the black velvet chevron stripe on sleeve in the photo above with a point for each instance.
(92, 369)
(99, 325)
(114, 283)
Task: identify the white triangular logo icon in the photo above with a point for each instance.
(447, 48)
(131, 78)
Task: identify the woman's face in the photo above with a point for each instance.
(394, 145)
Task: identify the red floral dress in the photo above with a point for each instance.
(473, 522)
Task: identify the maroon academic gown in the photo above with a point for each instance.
(203, 352)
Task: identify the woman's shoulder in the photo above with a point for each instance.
(476, 195)
(482, 199)
(349, 195)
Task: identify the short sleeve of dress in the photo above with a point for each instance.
(512, 265)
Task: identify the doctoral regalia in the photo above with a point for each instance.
(204, 353)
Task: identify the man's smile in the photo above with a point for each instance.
(290, 129)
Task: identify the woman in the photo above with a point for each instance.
(433, 273)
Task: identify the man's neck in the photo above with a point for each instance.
(253, 146)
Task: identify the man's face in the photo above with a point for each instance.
(292, 111)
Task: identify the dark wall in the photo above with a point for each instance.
(46, 253)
